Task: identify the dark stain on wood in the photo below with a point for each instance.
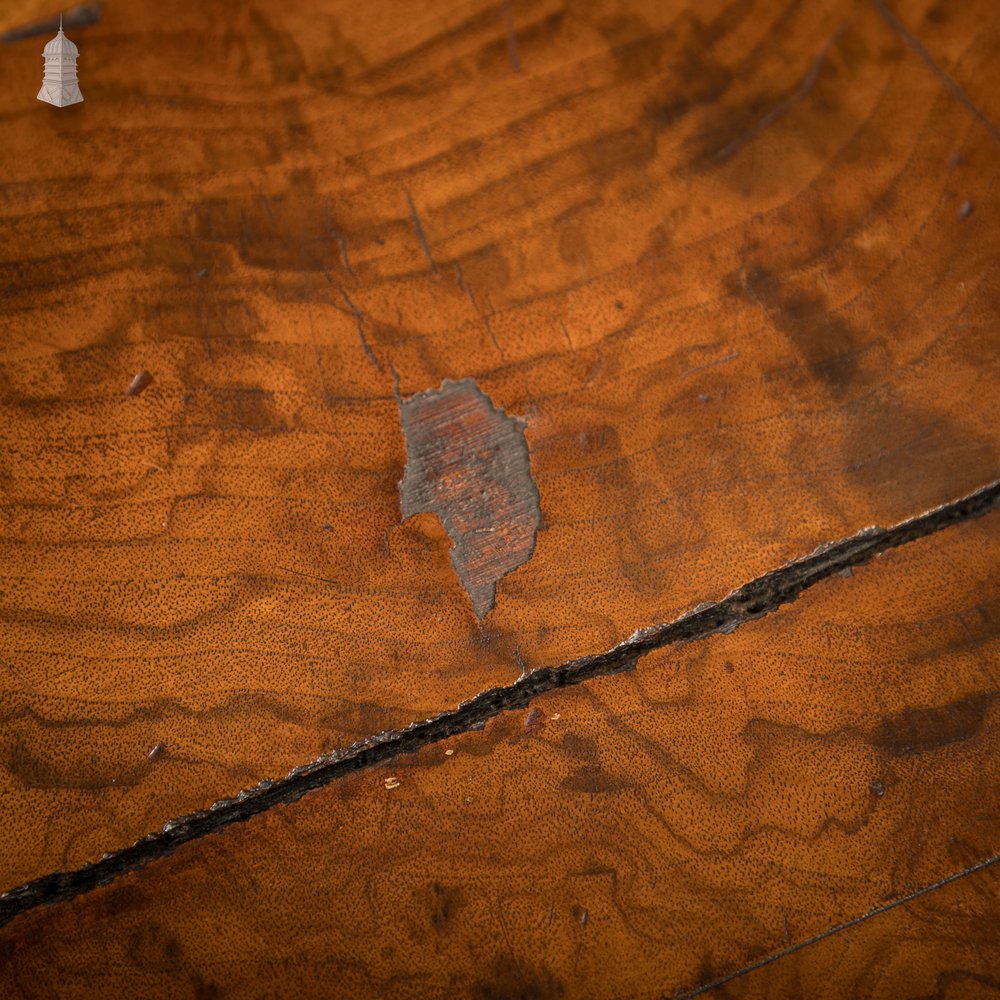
(591, 780)
(516, 980)
(468, 463)
(695, 78)
(729, 129)
(916, 730)
(445, 902)
(80, 16)
(828, 345)
(582, 747)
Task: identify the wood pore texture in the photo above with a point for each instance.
(734, 266)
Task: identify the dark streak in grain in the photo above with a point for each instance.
(720, 143)
(915, 730)
(80, 16)
(508, 23)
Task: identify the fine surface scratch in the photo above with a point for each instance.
(467, 462)
(799, 93)
(569, 340)
(950, 82)
(419, 229)
(358, 319)
(484, 318)
(339, 237)
(752, 600)
(732, 356)
(837, 928)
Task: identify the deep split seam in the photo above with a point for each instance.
(753, 600)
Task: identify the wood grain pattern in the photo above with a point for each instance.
(651, 833)
(942, 945)
(734, 264)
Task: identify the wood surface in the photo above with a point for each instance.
(941, 945)
(734, 266)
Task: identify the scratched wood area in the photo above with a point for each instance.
(942, 945)
(734, 266)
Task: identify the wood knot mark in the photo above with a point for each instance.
(467, 462)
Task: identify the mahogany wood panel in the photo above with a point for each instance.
(734, 266)
(643, 834)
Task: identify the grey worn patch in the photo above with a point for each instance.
(467, 462)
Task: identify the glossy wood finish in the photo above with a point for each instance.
(733, 264)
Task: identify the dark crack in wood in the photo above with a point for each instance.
(360, 324)
(753, 600)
